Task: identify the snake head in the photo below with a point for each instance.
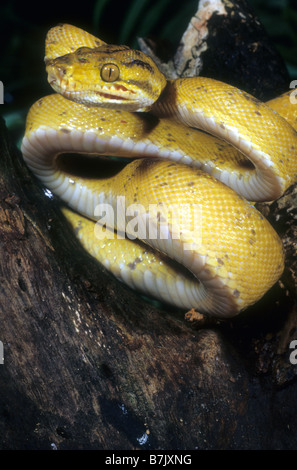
(107, 76)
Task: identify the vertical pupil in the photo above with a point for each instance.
(109, 72)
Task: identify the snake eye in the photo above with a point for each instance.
(110, 72)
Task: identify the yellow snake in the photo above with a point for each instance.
(202, 244)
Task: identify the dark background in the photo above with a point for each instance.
(23, 26)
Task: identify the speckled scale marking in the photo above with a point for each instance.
(235, 256)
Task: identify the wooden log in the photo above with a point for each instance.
(89, 364)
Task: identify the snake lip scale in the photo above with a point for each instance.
(111, 93)
(197, 142)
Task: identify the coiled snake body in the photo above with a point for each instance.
(186, 198)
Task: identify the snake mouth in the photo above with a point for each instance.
(96, 97)
(93, 96)
(116, 92)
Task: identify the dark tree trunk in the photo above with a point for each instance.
(88, 364)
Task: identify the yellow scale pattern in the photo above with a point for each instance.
(236, 254)
(254, 123)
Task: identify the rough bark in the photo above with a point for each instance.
(226, 41)
(88, 364)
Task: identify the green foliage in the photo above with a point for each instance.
(280, 20)
(143, 18)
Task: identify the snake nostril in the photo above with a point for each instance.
(61, 70)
